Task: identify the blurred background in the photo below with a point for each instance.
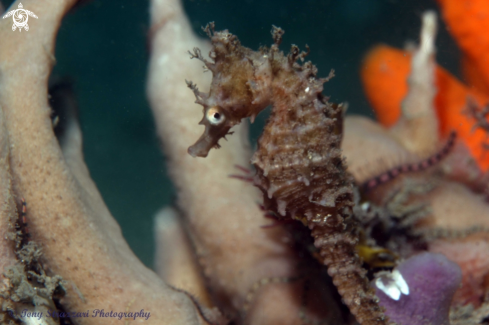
(102, 46)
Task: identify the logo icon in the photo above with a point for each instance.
(20, 17)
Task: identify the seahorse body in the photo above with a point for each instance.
(299, 165)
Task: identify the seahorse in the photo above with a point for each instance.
(299, 167)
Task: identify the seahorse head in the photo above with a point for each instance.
(240, 88)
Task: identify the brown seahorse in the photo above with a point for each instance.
(298, 162)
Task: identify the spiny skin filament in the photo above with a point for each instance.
(247, 176)
(420, 166)
(298, 163)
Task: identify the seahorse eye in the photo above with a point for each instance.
(215, 116)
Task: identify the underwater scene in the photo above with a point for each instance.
(254, 162)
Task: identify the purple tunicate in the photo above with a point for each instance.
(431, 279)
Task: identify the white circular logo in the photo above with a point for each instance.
(20, 17)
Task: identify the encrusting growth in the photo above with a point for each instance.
(298, 161)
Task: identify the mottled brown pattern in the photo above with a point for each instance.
(299, 165)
